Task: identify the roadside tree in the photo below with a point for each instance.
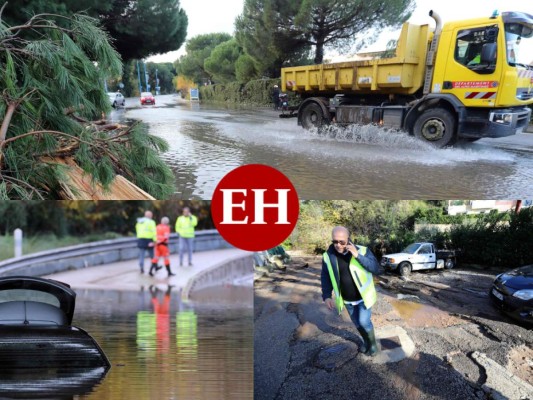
(271, 31)
(199, 48)
(222, 61)
(139, 28)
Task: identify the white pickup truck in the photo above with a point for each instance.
(418, 256)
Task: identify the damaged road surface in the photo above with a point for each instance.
(440, 338)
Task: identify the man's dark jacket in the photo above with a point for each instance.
(367, 261)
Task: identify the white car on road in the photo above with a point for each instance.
(116, 99)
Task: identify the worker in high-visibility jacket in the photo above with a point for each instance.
(161, 247)
(185, 225)
(146, 236)
(347, 272)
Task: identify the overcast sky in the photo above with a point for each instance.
(208, 16)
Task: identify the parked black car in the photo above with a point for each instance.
(512, 292)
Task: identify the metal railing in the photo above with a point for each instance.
(96, 253)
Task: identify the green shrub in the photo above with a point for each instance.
(254, 93)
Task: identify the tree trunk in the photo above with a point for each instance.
(319, 52)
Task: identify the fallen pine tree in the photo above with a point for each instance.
(54, 142)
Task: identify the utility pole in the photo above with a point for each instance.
(156, 83)
(139, 78)
(146, 78)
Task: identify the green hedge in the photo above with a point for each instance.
(496, 240)
(257, 93)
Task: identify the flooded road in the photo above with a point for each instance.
(162, 348)
(357, 163)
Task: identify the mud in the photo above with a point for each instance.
(445, 314)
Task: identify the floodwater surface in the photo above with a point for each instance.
(159, 346)
(356, 162)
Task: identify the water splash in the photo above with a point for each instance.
(414, 149)
(370, 134)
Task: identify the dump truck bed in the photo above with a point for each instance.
(401, 74)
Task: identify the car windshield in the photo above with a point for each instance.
(412, 248)
(28, 295)
(519, 43)
(146, 94)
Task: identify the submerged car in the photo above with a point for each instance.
(35, 327)
(147, 98)
(512, 292)
(116, 99)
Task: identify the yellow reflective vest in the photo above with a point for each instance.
(146, 229)
(185, 226)
(363, 280)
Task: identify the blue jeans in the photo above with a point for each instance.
(360, 316)
(142, 252)
(185, 242)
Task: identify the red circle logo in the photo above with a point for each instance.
(255, 207)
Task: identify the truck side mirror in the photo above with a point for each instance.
(488, 54)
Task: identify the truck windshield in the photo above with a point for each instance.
(519, 38)
(411, 249)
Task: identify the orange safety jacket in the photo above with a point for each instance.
(162, 233)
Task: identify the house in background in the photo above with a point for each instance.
(456, 207)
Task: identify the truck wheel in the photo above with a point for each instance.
(449, 264)
(312, 116)
(436, 126)
(404, 268)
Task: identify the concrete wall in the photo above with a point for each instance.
(228, 272)
(96, 253)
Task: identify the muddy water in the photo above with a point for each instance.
(422, 315)
(159, 347)
(358, 162)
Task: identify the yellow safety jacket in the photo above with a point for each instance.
(363, 280)
(185, 226)
(146, 229)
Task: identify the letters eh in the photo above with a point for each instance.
(259, 201)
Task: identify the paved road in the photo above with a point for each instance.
(125, 275)
(463, 348)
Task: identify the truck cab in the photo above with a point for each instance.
(418, 256)
(484, 71)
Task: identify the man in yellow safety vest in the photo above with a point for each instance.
(347, 272)
(146, 237)
(185, 225)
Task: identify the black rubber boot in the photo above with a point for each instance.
(154, 266)
(373, 349)
(168, 270)
(365, 346)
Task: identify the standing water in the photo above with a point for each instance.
(159, 347)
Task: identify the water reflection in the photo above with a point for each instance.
(49, 383)
(164, 347)
(160, 345)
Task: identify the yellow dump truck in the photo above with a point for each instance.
(468, 80)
